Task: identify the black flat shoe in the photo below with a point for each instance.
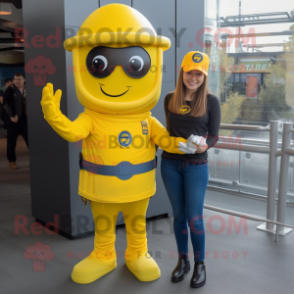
(180, 270)
(199, 275)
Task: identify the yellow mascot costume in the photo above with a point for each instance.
(117, 59)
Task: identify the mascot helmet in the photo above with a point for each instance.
(116, 33)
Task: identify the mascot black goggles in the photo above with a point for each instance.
(101, 61)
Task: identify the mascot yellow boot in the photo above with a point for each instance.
(117, 59)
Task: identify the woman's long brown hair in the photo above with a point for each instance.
(199, 103)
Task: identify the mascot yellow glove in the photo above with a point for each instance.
(70, 131)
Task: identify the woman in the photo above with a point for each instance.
(190, 109)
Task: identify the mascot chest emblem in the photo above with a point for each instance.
(124, 139)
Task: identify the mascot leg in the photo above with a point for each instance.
(102, 259)
(138, 260)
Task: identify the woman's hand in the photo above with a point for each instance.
(14, 118)
(198, 141)
(201, 149)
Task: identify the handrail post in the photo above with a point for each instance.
(282, 201)
(272, 173)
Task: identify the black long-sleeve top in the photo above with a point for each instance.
(183, 125)
(13, 103)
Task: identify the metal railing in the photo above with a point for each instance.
(249, 179)
(285, 154)
(278, 227)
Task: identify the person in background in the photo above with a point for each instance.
(15, 114)
(190, 109)
(7, 83)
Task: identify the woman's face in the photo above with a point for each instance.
(193, 79)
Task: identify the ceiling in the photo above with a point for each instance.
(11, 49)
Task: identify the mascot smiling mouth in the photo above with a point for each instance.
(113, 95)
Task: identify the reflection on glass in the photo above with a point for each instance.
(253, 76)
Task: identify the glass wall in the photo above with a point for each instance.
(211, 25)
(252, 73)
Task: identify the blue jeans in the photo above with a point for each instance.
(186, 185)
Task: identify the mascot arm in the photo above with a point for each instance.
(71, 131)
(160, 136)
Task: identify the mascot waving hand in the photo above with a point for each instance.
(118, 59)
